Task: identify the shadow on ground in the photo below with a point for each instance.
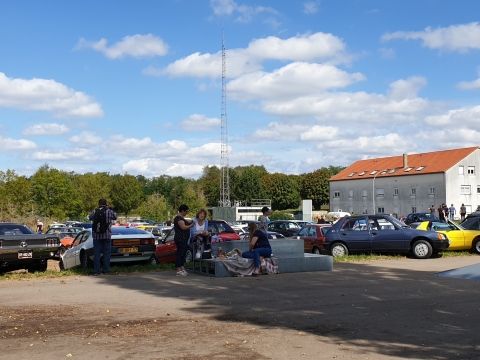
(392, 312)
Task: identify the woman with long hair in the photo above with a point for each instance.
(199, 233)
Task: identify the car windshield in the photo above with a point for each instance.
(223, 227)
(119, 230)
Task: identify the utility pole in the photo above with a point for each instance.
(224, 166)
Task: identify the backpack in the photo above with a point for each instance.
(100, 224)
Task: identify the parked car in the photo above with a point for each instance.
(21, 248)
(313, 236)
(382, 233)
(128, 245)
(472, 221)
(284, 227)
(166, 250)
(66, 235)
(159, 232)
(459, 237)
(270, 235)
(414, 219)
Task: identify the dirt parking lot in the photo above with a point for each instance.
(388, 309)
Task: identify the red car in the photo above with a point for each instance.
(166, 250)
(313, 236)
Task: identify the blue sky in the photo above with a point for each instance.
(135, 86)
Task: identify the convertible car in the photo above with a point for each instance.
(460, 238)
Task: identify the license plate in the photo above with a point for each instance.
(28, 254)
(128, 250)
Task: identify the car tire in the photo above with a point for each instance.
(338, 249)
(422, 249)
(84, 260)
(316, 251)
(40, 266)
(476, 245)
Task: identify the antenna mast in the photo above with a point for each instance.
(225, 176)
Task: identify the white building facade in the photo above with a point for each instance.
(401, 185)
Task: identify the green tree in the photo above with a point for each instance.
(210, 184)
(282, 189)
(316, 186)
(126, 193)
(247, 183)
(155, 207)
(52, 192)
(92, 187)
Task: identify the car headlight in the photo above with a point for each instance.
(441, 236)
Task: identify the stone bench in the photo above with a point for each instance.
(288, 253)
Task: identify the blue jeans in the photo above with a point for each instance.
(101, 246)
(256, 253)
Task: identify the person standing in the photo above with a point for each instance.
(181, 237)
(39, 227)
(463, 212)
(102, 218)
(441, 213)
(264, 219)
(452, 212)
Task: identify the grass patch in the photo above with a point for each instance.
(116, 269)
(366, 257)
(454, 253)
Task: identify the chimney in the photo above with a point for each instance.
(405, 161)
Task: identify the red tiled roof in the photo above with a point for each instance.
(424, 163)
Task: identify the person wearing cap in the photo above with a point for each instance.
(264, 219)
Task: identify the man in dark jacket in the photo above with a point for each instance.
(102, 218)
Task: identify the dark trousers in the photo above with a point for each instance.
(182, 248)
(102, 247)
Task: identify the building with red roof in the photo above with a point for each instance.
(409, 183)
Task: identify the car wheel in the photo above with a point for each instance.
(422, 249)
(338, 249)
(316, 251)
(40, 266)
(84, 260)
(476, 245)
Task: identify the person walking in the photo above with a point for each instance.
(264, 219)
(181, 237)
(452, 212)
(463, 212)
(102, 218)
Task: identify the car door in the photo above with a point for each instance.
(386, 236)
(355, 234)
(69, 257)
(167, 250)
(307, 240)
(456, 237)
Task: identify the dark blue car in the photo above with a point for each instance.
(384, 234)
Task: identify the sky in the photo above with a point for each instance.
(135, 86)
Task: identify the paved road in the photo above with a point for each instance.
(388, 309)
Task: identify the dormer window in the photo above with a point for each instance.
(373, 172)
(362, 173)
(407, 169)
(420, 168)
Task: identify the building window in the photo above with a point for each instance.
(414, 209)
(336, 194)
(350, 194)
(414, 191)
(364, 194)
(471, 170)
(460, 170)
(432, 191)
(465, 189)
(380, 192)
(478, 189)
(395, 192)
(381, 210)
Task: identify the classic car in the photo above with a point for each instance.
(313, 236)
(384, 234)
(128, 245)
(21, 248)
(459, 237)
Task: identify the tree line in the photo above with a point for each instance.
(55, 194)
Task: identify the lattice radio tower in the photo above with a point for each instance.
(225, 176)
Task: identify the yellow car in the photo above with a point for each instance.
(460, 238)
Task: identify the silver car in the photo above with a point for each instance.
(128, 245)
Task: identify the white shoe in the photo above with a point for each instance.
(182, 273)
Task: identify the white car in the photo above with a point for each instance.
(128, 245)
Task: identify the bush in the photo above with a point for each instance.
(281, 215)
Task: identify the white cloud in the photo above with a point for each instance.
(310, 7)
(151, 167)
(293, 80)
(46, 95)
(407, 88)
(86, 138)
(46, 129)
(8, 144)
(243, 13)
(319, 133)
(456, 117)
(279, 131)
(469, 85)
(199, 122)
(459, 38)
(308, 47)
(70, 155)
(137, 46)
